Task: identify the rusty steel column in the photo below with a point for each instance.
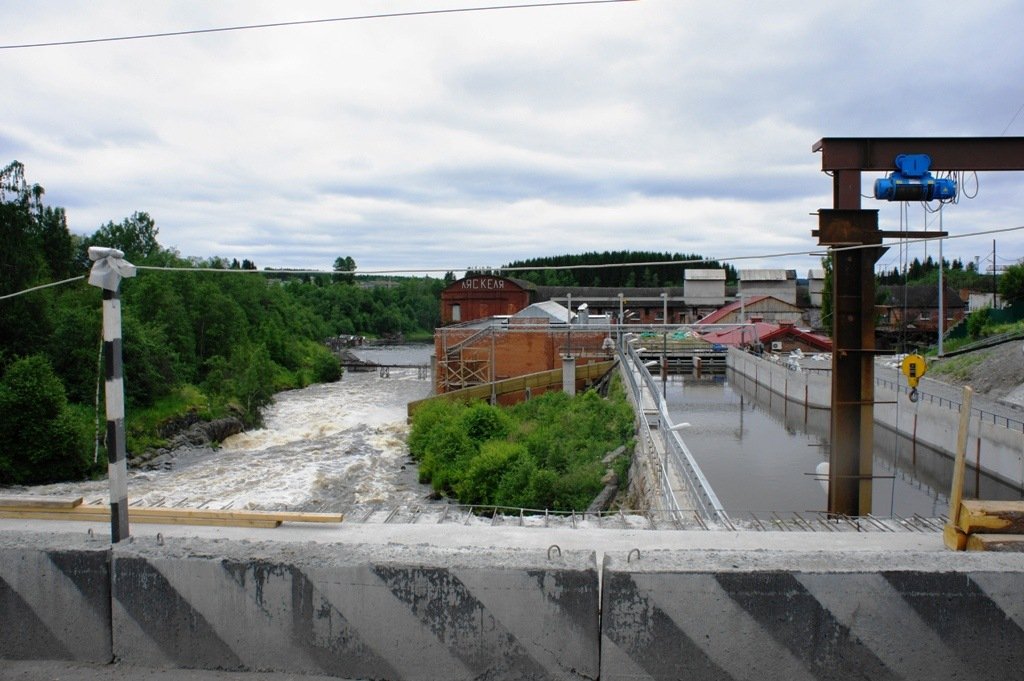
(853, 370)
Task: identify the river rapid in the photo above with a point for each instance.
(327, 447)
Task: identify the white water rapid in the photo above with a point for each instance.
(328, 447)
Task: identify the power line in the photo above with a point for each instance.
(306, 22)
(416, 270)
(38, 288)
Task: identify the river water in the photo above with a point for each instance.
(759, 453)
(327, 447)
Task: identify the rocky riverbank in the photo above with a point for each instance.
(187, 432)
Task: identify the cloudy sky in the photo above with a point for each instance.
(443, 141)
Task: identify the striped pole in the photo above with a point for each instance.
(108, 269)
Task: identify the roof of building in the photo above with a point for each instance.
(766, 333)
(815, 274)
(920, 296)
(690, 274)
(610, 293)
(547, 309)
(723, 312)
(767, 275)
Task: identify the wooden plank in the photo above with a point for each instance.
(289, 516)
(1007, 543)
(38, 502)
(99, 514)
(991, 517)
(957, 491)
(173, 516)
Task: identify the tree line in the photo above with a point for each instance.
(615, 269)
(210, 343)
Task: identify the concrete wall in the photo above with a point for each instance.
(398, 612)
(999, 451)
(721, 615)
(54, 598)
(356, 611)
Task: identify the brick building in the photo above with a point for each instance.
(496, 349)
(483, 296)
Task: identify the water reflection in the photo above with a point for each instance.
(760, 451)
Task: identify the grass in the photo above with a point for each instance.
(142, 425)
(959, 367)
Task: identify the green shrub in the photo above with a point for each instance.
(543, 454)
(977, 321)
(481, 479)
(41, 439)
(484, 422)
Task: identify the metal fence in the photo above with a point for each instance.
(677, 456)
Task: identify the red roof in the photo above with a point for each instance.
(740, 335)
(723, 312)
(766, 333)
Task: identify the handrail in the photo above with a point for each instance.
(953, 405)
(710, 508)
(983, 414)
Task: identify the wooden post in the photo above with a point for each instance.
(953, 537)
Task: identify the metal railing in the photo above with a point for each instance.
(953, 405)
(677, 455)
(982, 415)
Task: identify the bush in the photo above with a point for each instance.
(41, 440)
(479, 482)
(977, 321)
(543, 454)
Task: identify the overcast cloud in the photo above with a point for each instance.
(447, 141)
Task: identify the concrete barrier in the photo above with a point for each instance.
(54, 597)
(356, 611)
(793, 616)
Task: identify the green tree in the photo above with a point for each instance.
(135, 236)
(40, 441)
(345, 269)
(1011, 284)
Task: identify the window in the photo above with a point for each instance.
(456, 312)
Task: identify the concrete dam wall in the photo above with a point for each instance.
(415, 612)
(995, 446)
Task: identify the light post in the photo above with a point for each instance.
(621, 298)
(664, 344)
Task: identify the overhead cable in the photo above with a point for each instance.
(306, 22)
(416, 270)
(37, 288)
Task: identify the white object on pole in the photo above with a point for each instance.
(109, 267)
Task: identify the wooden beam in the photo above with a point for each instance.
(166, 516)
(39, 501)
(1009, 543)
(991, 517)
(956, 493)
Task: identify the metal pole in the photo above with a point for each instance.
(117, 458)
(620, 320)
(108, 268)
(664, 344)
(568, 331)
(942, 307)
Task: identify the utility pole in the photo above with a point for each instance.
(109, 267)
